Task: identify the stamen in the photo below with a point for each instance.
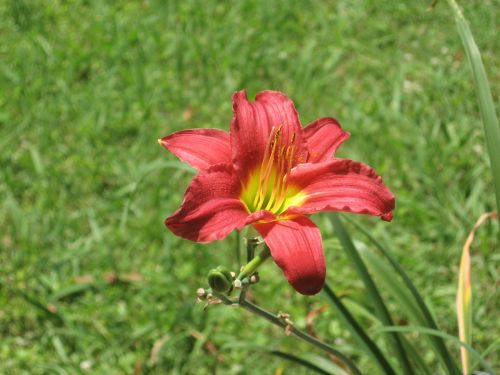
(284, 173)
(266, 167)
(274, 172)
(265, 161)
(277, 180)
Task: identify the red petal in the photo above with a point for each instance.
(341, 185)
(201, 148)
(211, 207)
(323, 136)
(296, 247)
(261, 215)
(251, 127)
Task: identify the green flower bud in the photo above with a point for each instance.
(220, 279)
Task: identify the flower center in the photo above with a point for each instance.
(267, 187)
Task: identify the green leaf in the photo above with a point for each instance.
(314, 363)
(358, 332)
(299, 361)
(483, 92)
(428, 320)
(359, 310)
(36, 303)
(429, 331)
(72, 291)
(389, 279)
(324, 363)
(371, 288)
(495, 346)
(417, 358)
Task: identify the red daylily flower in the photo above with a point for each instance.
(270, 172)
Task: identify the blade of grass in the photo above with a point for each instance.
(371, 288)
(361, 311)
(438, 343)
(429, 331)
(153, 167)
(389, 279)
(485, 99)
(299, 361)
(417, 358)
(328, 364)
(464, 294)
(390, 282)
(72, 291)
(307, 361)
(494, 347)
(280, 322)
(358, 332)
(55, 316)
(274, 319)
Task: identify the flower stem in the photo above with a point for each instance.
(252, 265)
(276, 320)
(248, 270)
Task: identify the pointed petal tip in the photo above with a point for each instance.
(200, 148)
(239, 96)
(240, 92)
(323, 137)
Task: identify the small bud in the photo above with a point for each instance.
(200, 292)
(220, 279)
(254, 279)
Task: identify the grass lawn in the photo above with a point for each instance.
(90, 279)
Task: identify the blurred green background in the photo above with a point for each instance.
(90, 279)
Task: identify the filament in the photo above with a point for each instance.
(274, 171)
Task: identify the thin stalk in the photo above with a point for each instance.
(277, 321)
(237, 249)
(252, 243)
(248, 270)
(251, 266)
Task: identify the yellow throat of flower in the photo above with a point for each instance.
(267, 187)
